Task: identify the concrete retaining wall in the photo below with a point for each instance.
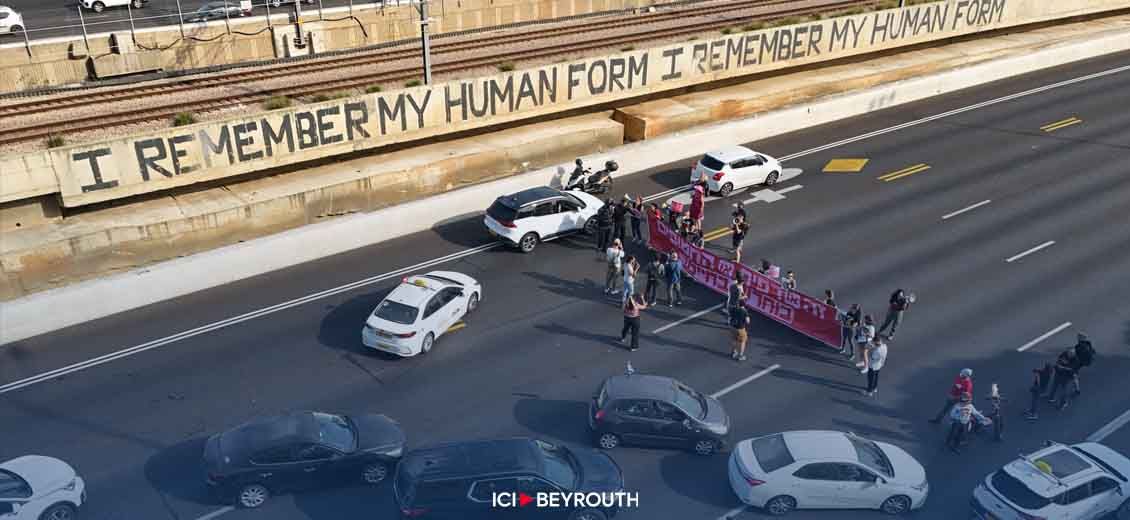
(51, 310)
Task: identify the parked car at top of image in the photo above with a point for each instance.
(417, 312)
(736, 167)
(100, 5)
(280, 3)
(215, 11)
(532, 216)
(10, 21)
(826, 470)
(34, 487)
(657, 411)
(1084, 481)
(458, 480)
(300, 450)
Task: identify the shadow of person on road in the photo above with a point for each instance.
(179, 471)
(609, 339)
(794, 375)
(585, 289)
(552, 419)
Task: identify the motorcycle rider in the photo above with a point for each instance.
(578, 174)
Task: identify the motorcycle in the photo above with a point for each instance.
(586, 180)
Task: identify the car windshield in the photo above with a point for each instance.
(690, 401)
(335, 430)
(772, 453)
(711, 163)
(396, 312)
(871, 455)
(560, 468)
(1013, 490)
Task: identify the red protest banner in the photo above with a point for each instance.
(794, 309)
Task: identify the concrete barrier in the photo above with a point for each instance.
(55, 309)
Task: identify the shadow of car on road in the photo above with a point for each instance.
(683, 471)
(179, 471)
(553, 419)
(357, 501)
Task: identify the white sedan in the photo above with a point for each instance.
(826, 470)
(736, 167)
(34, 487)
(420, 310)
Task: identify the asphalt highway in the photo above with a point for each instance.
(544, 337)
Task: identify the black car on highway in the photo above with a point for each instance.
(298, 451)
(649, 410)
(462, 480)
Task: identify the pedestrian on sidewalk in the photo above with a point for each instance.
(632, 308)
(631, 266)
(674, 273)
(850, 322)
(863, 336)
(1041, 379)
(876, 358)
(636, 213)
(899, 303)
(1065, 369)
(614, 256)
(604, 227)
(620, 218)
(735, 293)
(739, 321)
(962, 385)
(654, 272)
(738, 230)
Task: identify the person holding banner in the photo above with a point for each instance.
(863, 337)
(850, 321)
(735, 295)
(698, 204)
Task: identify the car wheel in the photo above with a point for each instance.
(473, 303)
(896, 505)
(588, 514)
(705, 447)
(608, 441)
(726, 189)
(780, 505)
(374, 473)
(252, 496)
(590, 226)
(1123, 512)
(98, 7)
(528, 242)
(58, 511)
(137, 4)
(17, 29)
(276, 4)
(772, 178)
(426, 346)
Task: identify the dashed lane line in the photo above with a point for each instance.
(217, 513)
(1023, 254)
(972, 207)
(1110, 427)
(1044, 336)
(688, 318)
(743, 382)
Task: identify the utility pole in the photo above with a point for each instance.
(425, 44)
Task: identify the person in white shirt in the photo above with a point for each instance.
(863, 336)
(631, 267)
(961, 418)
(876, 358)
(615, 257)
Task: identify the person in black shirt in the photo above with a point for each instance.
(899, 303)
(604, 227)
(739, 320)
(654, 271)
(1066, 366)
(738, 230)
(620, 219)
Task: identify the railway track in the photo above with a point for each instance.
(712, 17)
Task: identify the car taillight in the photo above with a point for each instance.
(599, 415)
(406, 334)
(414, 513)
(752, 481)
(507, 223)
(718, 176)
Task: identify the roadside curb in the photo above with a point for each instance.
(85, 301)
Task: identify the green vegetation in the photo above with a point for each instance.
(754, 26)
(413, 83)
(727, 30)
(373, 89)
(276, 102)
(628, 48)
(184, 119)
(55, 141)
(505, 66)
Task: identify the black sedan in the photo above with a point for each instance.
(215, 11)
(298, 451)
(650, 410)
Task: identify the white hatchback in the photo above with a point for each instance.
(420, 310)
(10, 21)
(532, 216)
(34, 487)
(826, 470)
(736, 167)
(1084, 481)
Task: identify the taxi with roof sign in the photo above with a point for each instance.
(420, 310)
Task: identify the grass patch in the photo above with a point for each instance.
(55, 141)
(184, 119)
(276, 102)
(505, 66)
(413, 83)
(373, 89)
(727, 30)
(326, 96)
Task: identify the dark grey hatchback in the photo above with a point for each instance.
(300, 450)
(649, 410)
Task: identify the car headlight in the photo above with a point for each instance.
(718, 429)
(921, 487)
(396, 452)
(71, 485)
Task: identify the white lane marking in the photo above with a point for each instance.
(744, 382)
(1043, 336)
(948, 216)
(39, 378)
(787, 189)
(688, 318)
(1110, 427)
(217, 513)
(1018, 256)
(286, 305)
(770, 196)
(729, 515)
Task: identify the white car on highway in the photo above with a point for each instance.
(735, 167)
(100, 5)
(420, 310)
(34, 487)
(532, 216)
(1086, 481)
(10, 21)
(826, 470)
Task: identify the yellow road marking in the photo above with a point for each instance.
(716, 234)
(1051, 127)
(845, 165)
(457, 326)
(895, 175)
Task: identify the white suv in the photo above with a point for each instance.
(1083, 481)
(736, 167)
(100, 5)
(10, 21)
(531, 216)
(34, 487)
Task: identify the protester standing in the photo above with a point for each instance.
(863, 336)
(632, 308)
(739, 211)
(1041, 379)
(899, 303)
(654, 272)
(962, 385)
(789, 281)
(614, 256)
(738, 230)
(674, 272)
(698, 204)
(631, 266)
(620, 218)
(962, 416)
(1084, 356)
(604, 227)
(739, 321)
(876, 358)
(850, 321)
(735, 293)
(829, 298)
(637, 210)
(1065, 366)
